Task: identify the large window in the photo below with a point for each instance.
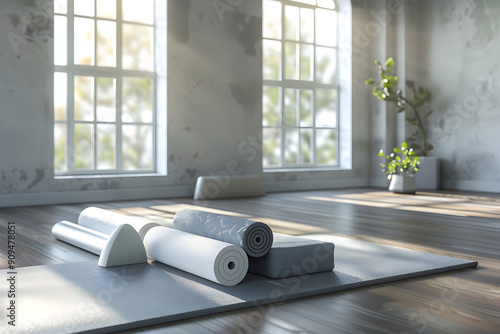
(105, 84)
(300, 91)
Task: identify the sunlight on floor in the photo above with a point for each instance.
(436, 203)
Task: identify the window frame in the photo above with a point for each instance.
(313, 85)
(157, 75)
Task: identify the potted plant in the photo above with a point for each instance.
(402, 164)
(386, 90)
(416, 115)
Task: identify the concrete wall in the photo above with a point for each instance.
(214, 106)
(453, 48)
(214, 97)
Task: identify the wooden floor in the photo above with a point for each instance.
(464, 225)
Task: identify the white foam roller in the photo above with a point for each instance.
(80, 236)
(217, 261)
(106, 221)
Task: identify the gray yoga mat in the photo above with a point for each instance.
(82, 297)
(293, 256)
(255, 238)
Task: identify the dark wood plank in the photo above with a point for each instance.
(458, 224)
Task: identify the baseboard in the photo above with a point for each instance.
(379, 182)
(305, 185)
(467, 185)
(66, 197)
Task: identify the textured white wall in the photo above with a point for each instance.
(455, 48)
(214, 106)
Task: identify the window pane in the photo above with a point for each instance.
(290, 107)
(137, 147)
(106, 43)
(326, 108)
(106, 9)
(60, 6)
(60, 40)
(84, 146)
(292, 23)
(60, 143)
(106, 142)
(306, 62)
(309, 2)
(326, 147)
(271, 145)
(271, 105)
(271, 59)
(84, 98)
(137, 100)
(291, 71)
(326, 27)
(138, 11)
(326, 4)
(60, 96)
(84, 7)
(326, 65)
(84, 41)
(306, 106)
(307, 25)
(292, 146)
(106, 97)
(271, 27)
(137, 47)
(306, 146)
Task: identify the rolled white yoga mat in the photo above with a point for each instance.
(80, 236)
(106, 221)
(217, 261)
(255, 238)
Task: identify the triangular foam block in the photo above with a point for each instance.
(123, 247)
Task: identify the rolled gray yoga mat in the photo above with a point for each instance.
(255, 238)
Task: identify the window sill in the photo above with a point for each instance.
(304, 169)
(108, 176)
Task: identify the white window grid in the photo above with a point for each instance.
(298, 84)
(94, 71)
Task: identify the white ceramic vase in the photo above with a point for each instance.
(403, 184)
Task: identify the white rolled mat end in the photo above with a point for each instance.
(106, 221)
(217, 261)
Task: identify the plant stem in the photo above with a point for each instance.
(420, 126)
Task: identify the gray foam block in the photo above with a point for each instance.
(294, 256)
(81, 297)
(235, 186)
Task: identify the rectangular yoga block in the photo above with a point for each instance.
(217, 187)
(294, 256)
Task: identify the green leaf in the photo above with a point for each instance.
(389, 62)
(404, 146)
(369, 81)
(381, 153)
(396, 150)
(377, 62)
